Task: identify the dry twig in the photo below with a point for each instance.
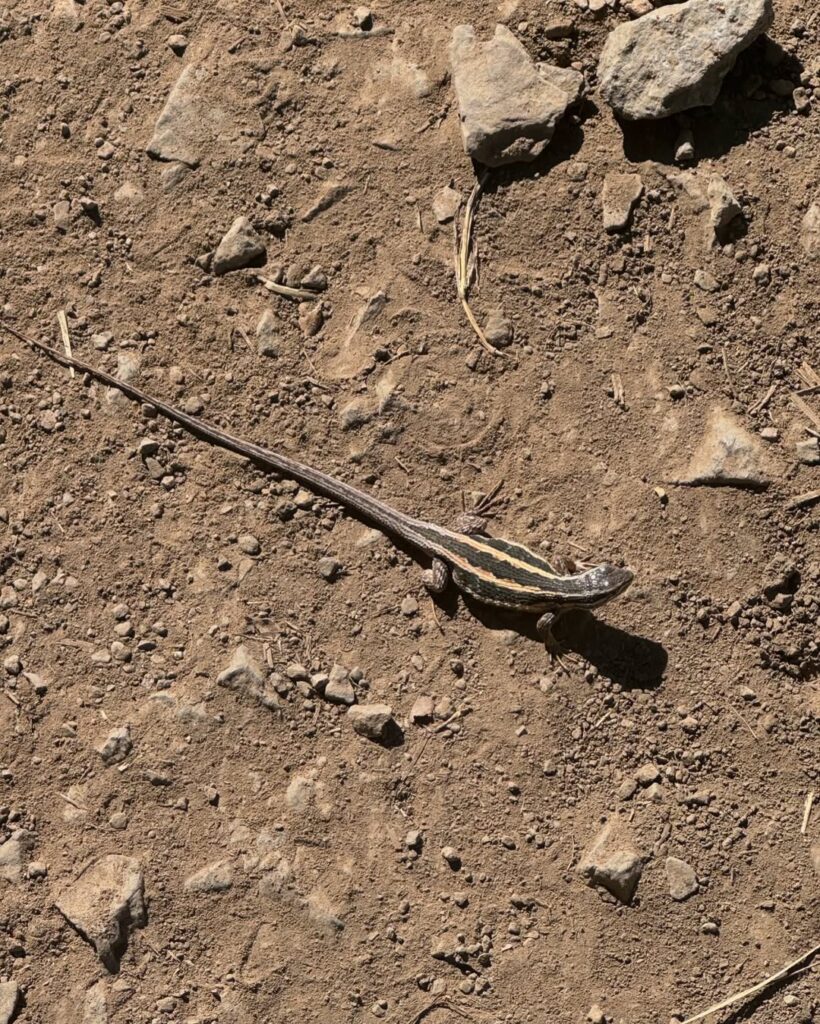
(807, 813)
(63, 322)
(465, 262)
(302, 294)
(738, 996)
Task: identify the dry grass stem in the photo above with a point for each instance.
(807, 813)
(738, 996)
(806, 409)
(465, 262)
(63, 322)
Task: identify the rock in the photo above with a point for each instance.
(240, 246)
(508, 107)
(728, 456)
(9, 1001)
(178, 134)
(409, 606)
(498, 330)
(332, 192)
(814, 854)
(706, 282)
(11, 857)
(723, 206)
(244, 672)
(116, 746)
(676, 57)
(61, 212)
(619, 195)
(267, 335)
(214, 877)
(452, 856)
(612, 862)
(104, 903)
(596, 1015)
(647, 774)
(446, 203)
(329, 568)
(810, 231)
(95, 1010)
(249, 544)
(683, 881)
(414, 840)
(311, 318)
(568, 80)
(627, 789)
(178, 43)
(340, 691)
(808, 451)
(373, 721)
(422, 710)
(685, 146)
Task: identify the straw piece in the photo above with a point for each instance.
(63, 322)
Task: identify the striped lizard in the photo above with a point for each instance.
(495, 572)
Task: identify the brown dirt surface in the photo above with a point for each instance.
(280, 879)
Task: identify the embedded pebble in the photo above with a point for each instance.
(116, 746)
(240, 247)
(373, 721)
(612, 862)
(268, 336)
(446, 203)
(683, 881)
(619, 195)
(214, 877)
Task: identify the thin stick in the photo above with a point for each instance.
(728, 374)
(764, 401)
(283, 289)
(803, 500)
(738, 996)
(465, 266)
(63, 322)
(807, 813)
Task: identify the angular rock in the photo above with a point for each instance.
(422, 710)
(373, 721)
(619, 195)
(215, 877)
(244, 671)
(178, 132)
(614, 863)
(116, 746)
(683, 882)
(508, 107)
(677, 56)
(810, 231)
(95, 1010)
(723, 206)
(446, 203)
(12, 853)
(340, 691)
(104, 903)
(728, 456)
(240, 246)
(9, 1001)
(267, 335)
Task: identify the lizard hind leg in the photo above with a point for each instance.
(436, 578)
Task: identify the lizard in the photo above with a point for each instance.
(495, 572)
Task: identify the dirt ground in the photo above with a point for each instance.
(281, 878)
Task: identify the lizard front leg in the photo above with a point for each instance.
(437, 577)
(556, 650)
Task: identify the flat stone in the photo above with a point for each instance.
(647, 774)
(810, 231)
(373, 721)
(422, 710)
(116, 746)
(104, 904)
(178, 132)
(727, 456)
(619, 195)
(612, 862)
(508, 107)
(340, 691)
(267, 335)
(676, 57)
(683, 882)
(240, 246)
(11, 857)
(330, 194)
(446, 203)
(9, 1001)
(214, 877)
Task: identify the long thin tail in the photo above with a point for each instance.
(378, 512)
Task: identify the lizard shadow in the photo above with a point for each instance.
(634, 662)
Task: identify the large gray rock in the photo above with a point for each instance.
(240, 246)
(677, 57)
(104, 903)
(612, 862)
(178, 134)
(508, 107)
